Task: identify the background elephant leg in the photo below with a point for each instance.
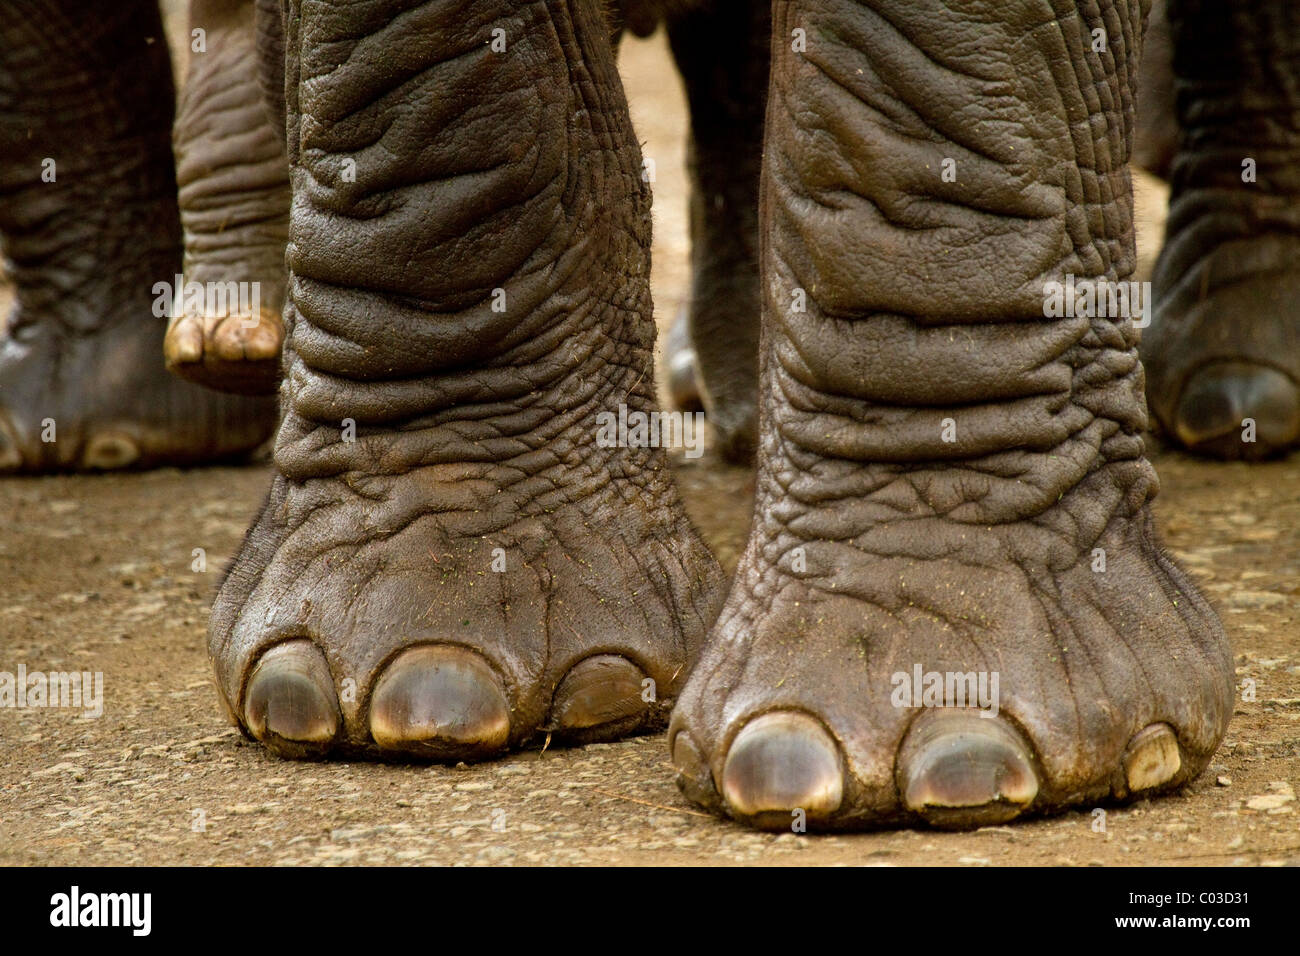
(452, 526)
(234, 200)
(1223, 351)
(1155, 139)
(90, 229)
(950, 476)
(722, 52)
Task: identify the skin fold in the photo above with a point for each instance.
(89, 226)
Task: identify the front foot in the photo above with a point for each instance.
(451, 612)
(949, 674)
(102, 400)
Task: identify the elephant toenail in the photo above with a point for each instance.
(959, 769)
(694, 778)
(290, 704)
(11, 458)
(108, 451)
(1152, 758)
(781, 762)
(440, 702)
(184, 341)
(681, 367)
(1224, 402)
(605, 690)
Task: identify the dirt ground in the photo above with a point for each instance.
(97, 576)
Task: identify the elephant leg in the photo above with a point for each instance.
(721, 49)
(91, 237)
(952, 606)
(1155, 139)
(234, 199)
(1223, 351)
(456, 553)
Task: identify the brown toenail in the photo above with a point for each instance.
(290, 704)
(1152, 758)
(781, 762)
(441, 702)
(183, 341)
(694, 778)
(603, 690)
(107, 451)
(10, 457)
(958, 769)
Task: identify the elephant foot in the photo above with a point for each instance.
(733, 416)
(102, 400)
(1223, 377)
(951, 673)
(232, 178)
(226, 352)
(1222, 354)
(452, 610)
(681, 368)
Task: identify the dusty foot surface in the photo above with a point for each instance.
(98, 575)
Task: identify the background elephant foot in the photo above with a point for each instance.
(452, 611)
(104, 401)
(1223, 350)
(681, 370)
(721, 50)
(227, 352)
(232, 174)
(932, 671)
(733, 416)
(1222, 354)
(92, 242)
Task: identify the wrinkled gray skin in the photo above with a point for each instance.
(877, 546)
(946, 479)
